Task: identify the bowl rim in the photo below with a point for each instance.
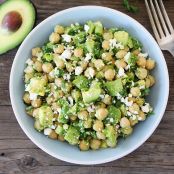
(16, 112)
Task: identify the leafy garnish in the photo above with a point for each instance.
(129, 7)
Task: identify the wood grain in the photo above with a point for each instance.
(19, 155)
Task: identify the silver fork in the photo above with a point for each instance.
(161, 24)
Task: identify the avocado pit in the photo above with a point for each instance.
(12, 21)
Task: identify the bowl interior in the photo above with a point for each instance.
(158, 96)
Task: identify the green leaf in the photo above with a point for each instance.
(129, 7)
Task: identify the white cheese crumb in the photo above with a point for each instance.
(142, 87)
(47, 131)
(127, 56)
(129, 113)
(53, 127)
(118, 96)
(126, 102)
(66, 37)
(121, 72)
(78, 70)
(66, 77)
(65, 126)
(134, 117)
(59, 110)
(91, 72)
(66, 54)
(52, 73)
(90, 109)
(86, 28)
(102, 96)
(113, 44)
(143, 55)
(146, 108)
(29, 62)
(70, 99)
(129, 95)
(111, 120)
(33, 96)
(88, 57)
(127, 67)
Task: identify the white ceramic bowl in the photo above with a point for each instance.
(158, 96)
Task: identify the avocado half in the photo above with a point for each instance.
(17, 18)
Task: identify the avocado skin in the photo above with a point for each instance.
(33, 10)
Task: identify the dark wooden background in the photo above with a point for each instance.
(19, 155)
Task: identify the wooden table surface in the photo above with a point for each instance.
(19, 155)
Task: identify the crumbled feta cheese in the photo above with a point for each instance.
(127, 56)
(88, 57)
(126, 102)
(118, 96)
(90, 109)
(102, 96)
(121, 72)
(78, 70)
(134, 117)
(146, 108)
(33, 96)
(142, 87)
(53, 127)
(127, 67)
(47, 131)
(132, 83)
(66, 37)
(129, 113)
(113, 44)
(29, 62)
(52, 73)
(66, 77)
(66, 54)
(65, 126)
(59, 110)
(28, 69)
(70, 99)
(111, 120)
(143, 55)
(135, 112)
(129, 95)
(86, 28)
(140, 118)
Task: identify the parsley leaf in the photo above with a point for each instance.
(129, 7)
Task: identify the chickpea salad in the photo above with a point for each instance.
(88, 85)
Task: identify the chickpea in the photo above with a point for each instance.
(107, 99)
(147, 83)
(50, 99)
(124, 122)
(83, 115)
(100, 105)
(105, 45)
(152, 80)
(34, 59)
(141, 62)
(126, 48)
(53, 135)
(141, 116)
(103, 144)
(101, 113)
(120, 54)
(133, 121)
(150, 64)
(59, 62)
(107, 56)
(78, 52)
(135, 91)
(88, 123)
(98, 63)
(109, 74)
(101, 135)
(38, 66)
(127, 130)
(58, 82)
(69, 67)
(107, 35)
(89, 72)
(140, 101)
(36, 103)
(136, 52)
(47, 67)
(54, 38)
(36, 112)
(141, 73)
(84, 145)
(36, 51)
(45, 78)
(50, 78)
(73, 117)
(134, 109)
(59, 29)
(59, 49)
(83, 64)
(76, 95)
(37, 125)
(98, 125)
(95, 144)
(26, 98)
(61, 138)
(120, 63)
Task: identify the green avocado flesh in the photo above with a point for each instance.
(10, 39)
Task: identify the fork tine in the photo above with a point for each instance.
(152, 21)
(166, 17)
(162, 19)
(157, 20)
